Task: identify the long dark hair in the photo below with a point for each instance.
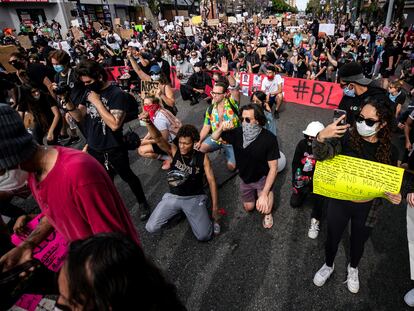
(385, 115)
(110, 272)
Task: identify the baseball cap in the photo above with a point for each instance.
(352, 72)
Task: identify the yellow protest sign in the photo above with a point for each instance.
(348, 178)
(196, 20)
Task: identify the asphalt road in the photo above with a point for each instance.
(247, 267)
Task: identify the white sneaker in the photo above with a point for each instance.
(409, 298)
(322, 275)
(352, 279)
(314, 229)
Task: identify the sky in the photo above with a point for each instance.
(301, 4)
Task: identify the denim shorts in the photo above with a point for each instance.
(228, 149)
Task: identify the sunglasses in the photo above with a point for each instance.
(247, 119)
(368, 122)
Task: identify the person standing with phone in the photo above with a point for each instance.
(369, 139)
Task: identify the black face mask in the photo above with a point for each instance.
(18, 65)
(95, 86)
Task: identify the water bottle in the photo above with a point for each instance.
(298, 179)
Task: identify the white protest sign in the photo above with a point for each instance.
(329, 29)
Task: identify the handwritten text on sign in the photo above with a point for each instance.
(320, 94)
(348, 178)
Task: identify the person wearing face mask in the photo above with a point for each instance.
(303, 168)
(210, 62)
(163, 64)
(357, 89)
(397, 96)
(253, 58)
(165, 91)
(272, 87)
(198, 82)
(45, 112)
(66, 87)
(184, 72)
(256, 152)
(194, 58)
(38, 74)
(168, 126)
(367, 66)
(369, 139)
(103, 112)
(321, 67)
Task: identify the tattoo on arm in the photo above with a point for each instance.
(118, 114)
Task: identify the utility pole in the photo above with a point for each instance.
(389, 13)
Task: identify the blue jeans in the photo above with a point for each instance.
(228, 149)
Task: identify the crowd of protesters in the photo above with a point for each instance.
(60, 92)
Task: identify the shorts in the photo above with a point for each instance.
(228, 149)
(249, 191)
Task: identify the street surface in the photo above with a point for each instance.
(247, 267)
(250, 268)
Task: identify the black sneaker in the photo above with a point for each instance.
(145, 211)
(62, 138)
(276, 114)
(72, 140)
(194, 102)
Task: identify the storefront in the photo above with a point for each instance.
(96, 13)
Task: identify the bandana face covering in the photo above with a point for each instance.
(250, 133)
(152, 110)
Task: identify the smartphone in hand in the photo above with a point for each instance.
(339, 113)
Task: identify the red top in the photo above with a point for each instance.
(79, 199)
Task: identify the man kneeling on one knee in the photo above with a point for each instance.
(256, 151)
(185, 180)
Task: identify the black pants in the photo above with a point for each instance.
(118, 163)
(339, 214)
(300, 195)
(188, 94)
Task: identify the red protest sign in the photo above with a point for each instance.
(313, 93)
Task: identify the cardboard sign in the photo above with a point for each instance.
(162, 23)
(126, 34)
(74, 23)
(232, 20)
(149, 88)
(213, 22)
(97, 26)
(313, 93)
(5, 52)
(188, 31)
(77, 35)
(329, 29)
(348, 178)
(25, 42)
(196, 20)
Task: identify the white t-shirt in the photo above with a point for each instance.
(162, 123)
(271, 86)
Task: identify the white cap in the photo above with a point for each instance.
(134, 44)
(313, 128)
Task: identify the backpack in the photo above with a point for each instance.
(175, 123)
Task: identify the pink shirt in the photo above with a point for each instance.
(79, 199)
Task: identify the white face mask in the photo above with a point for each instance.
(13, 180)
(366, 131)
(155, 77)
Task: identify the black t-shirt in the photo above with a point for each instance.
(76, 88)
(194, 168)
(252, 161)
(41, 109)
(37, 73)
(368, 152)
(99, 136)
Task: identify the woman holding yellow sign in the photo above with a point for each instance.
(369, 139)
